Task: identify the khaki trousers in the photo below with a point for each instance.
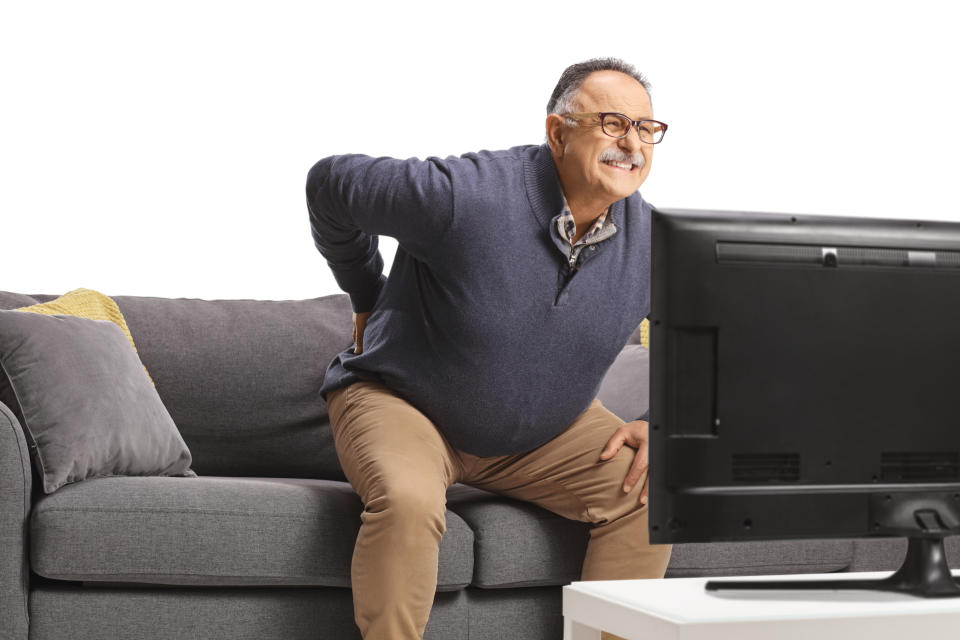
(401, 466)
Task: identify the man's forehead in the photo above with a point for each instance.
(614, 91)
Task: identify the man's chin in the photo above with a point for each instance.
(624, 189)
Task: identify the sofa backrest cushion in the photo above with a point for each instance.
(240, 378)
(625, 389)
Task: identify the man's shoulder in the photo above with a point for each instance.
(491, 158)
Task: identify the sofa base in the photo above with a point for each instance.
(281, 613)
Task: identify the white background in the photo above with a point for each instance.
(161, 148)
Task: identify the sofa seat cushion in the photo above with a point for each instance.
(520, 545)
(767, 557)
(213, 530)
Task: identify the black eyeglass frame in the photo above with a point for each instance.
(634, 124)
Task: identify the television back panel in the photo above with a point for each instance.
(800, 364)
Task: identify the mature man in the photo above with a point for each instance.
(518, 277)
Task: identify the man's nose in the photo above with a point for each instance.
(631, 142)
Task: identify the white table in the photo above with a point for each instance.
(680, 609)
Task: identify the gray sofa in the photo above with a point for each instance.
(259, 544)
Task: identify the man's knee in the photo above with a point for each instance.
(407, 505)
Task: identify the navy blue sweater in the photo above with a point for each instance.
(482, 324)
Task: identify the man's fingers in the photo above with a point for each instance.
(636, 472)
(358, 341)
(613, 445)
(359, 322)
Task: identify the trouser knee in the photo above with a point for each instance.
(408, 510)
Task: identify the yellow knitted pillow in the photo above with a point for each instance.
(645, 333)
(86, 303)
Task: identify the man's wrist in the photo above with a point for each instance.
(365, 301)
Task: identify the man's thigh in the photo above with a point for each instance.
(385, 443)
(566, 475)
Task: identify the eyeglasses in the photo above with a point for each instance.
(617, 125)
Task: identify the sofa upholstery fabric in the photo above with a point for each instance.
(242, 613)
(622, 391)
(214, 531)
(16, 488)
(770, 557)
(88, 407)
(519, 544)
(241, 379)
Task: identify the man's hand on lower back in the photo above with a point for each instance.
(633, 434)
(359, 324)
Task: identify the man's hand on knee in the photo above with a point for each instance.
(633, 434)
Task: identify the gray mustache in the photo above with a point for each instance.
(614, 155)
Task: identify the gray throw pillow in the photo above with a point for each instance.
(85, 402)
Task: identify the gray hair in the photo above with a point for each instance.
(564, 96)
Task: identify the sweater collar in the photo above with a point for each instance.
(543, 185)
(544, 191)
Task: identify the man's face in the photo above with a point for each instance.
(583, 153)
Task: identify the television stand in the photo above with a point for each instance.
(924, 573)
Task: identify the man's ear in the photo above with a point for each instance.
(556, 134)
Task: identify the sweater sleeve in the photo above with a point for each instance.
(354, 198)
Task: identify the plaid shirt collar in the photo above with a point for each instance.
(568, 226)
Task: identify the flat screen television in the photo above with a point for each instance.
(805, 383)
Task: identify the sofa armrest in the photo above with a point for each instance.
(16, 483)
